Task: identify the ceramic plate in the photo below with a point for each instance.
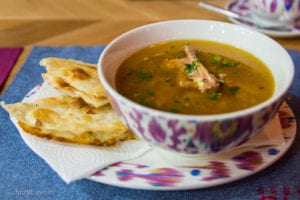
(153, 171)
(156, 171)
(241, 7)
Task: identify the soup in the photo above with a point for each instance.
(194, 77)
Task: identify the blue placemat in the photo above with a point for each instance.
(23, 175)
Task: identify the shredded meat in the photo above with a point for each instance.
(200, 76)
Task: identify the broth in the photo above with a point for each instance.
(152, 77)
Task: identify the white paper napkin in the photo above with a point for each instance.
(73, 162)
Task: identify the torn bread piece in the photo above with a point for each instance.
(70, 119)
(76, 79)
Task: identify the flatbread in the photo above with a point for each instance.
(69, 119)
(75, 78)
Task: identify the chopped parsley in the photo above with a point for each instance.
(216, 58)
(174, 110)
(233, 89)
(143, 75)
(222, 62)
(191, 67)
(147, 103)
(145, 97)
(140, 74)
(220, 81)
(149, 92)
(140, 96)
(215, 95)
(226, 63)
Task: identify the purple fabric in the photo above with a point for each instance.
(8, 58)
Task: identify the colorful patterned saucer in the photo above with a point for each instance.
(242, 7)
(152, 172)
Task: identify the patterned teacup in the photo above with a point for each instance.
(275, 12)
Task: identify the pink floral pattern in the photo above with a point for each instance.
(155, 175)
(243, 7)
(191, 136)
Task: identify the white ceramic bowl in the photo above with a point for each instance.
(179, 132)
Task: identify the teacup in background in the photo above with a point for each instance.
(276, 12)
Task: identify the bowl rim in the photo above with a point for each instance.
(200, 117)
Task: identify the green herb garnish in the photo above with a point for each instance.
(215, 95)
(140, 96)
(130, 72)
(222, 62)
(233, 90)
(220, 81)
(216, 59)
(174, 110)
(147, 103)
(143, 97)
(226, 63)
(143, 75)
(149, 92)
(191, 67)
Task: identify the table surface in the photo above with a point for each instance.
(91, 22)
(94, 22)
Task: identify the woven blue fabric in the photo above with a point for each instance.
(24, 175)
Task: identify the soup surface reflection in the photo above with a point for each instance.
(194, 77)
